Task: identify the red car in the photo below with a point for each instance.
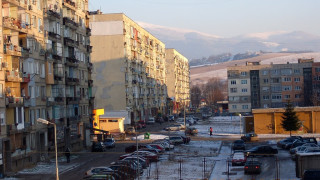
(238, 159)
(146, 154)
(158, 146)
(141, 124)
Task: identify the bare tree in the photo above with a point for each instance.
(215, 90)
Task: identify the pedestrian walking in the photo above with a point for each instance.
(67, 153)
(211, 131)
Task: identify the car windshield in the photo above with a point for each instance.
(108, 140)
(238, 142)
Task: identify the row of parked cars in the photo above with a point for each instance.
(298, 144)
(247, 158)
(138, 157)
(104, 145)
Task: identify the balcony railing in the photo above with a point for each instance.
(11, 49)
(72, 61)
(69, 42)
(13, 76)
(89, 49)
(73, 100)
(52, 13)
(71, 3)
(90, 83)
(69, 22)
(88, 31)
(15, 24)
(54, 35)
(14, 101)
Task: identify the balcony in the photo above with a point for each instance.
(13, 76)
(70, 4)
(69, 42)
(89, 49)
(55, 56)
(54, 35)
(90, 66)
(26, 78)
(91, 100)
(70, 23)
(58, 76)
(90, 83)
(53, 14)
(15, 24)
(72, 81)
(13, 129)
(19, 3)
(72, 61)
(88, 31)
(11, 50)
(14, 101)
(73, 100)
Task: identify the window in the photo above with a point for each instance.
(233, 82)
(265, 89)
(287, 96)
(34, 21)
(286, 71)
(297, 96)
(287, 88)
(42, 71)
(297, 88)
(245, 107)
(276, 88)
(243, 81)
(265, 81)
(266, 97)
(275, 80)
(32, 117)
(265, 72)
(296, 71)
(234, 106)
(43, 114)
(286, 79)
(265, 106)
(43, 92)
(233, 90)
(244, 90)
(40, 27)
(275, 72)
(27, 19)
(49, 68)
(297, 79)
(37, 91)
(276, 96)
(243, 73)
(2, 121)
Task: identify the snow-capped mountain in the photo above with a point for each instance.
(195, 45)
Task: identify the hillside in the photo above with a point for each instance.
(200, 75)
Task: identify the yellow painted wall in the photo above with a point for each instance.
(268, 121)
(10, 115)
(113, 127)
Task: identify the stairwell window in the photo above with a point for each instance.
(1, 90)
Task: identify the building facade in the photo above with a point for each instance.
(178, 80)
(270, 86)
(45, 73)
(129, 72)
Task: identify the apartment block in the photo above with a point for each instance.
(255, 86)
(130, 71)
(45, 73)
(178, 79)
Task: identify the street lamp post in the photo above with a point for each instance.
(55, 142)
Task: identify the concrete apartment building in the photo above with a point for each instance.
(257, 86)
(178, 79)
(130, 71)
(45, 73)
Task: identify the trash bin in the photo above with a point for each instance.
(146, 135)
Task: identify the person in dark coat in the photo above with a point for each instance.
(67, 153)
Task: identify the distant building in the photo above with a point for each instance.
(178, 79)
(129, 72)
(270, 86)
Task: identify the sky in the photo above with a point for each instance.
(224, 18)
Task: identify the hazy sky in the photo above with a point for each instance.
(226, 18)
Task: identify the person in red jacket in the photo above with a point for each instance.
(211, 131)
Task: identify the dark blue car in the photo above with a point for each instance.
(109, 143)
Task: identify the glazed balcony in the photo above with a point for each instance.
(72, 81)
(55, 56)
(70, 23)
(69, 42)
(54, 35)
(15, 24)
(14, 101)
(88, 31)
(51, 101)
(70, 4)
(13, 76)
(89, 49)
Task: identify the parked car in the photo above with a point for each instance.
(175, 127)
(264, 150)
(175, 140)
(109, 143)
(151, 121)
(98, 147)
(252, 166)
(124, 168)
(97, 170)
(191, 130)
(287, 142)
(312, 150)
(309, 140)
(250, 137)
(100, 177)
(312, 145)
(166, 144)
(238, 159)
(158, 146)
(238, 145)
(132, 148)
(141, 160)
(146, 154)
(311, 175)
(130, 130)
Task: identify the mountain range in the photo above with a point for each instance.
(197, 45)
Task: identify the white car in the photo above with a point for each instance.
(97, 170)
(151, 121)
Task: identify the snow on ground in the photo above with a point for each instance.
(192, 158)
